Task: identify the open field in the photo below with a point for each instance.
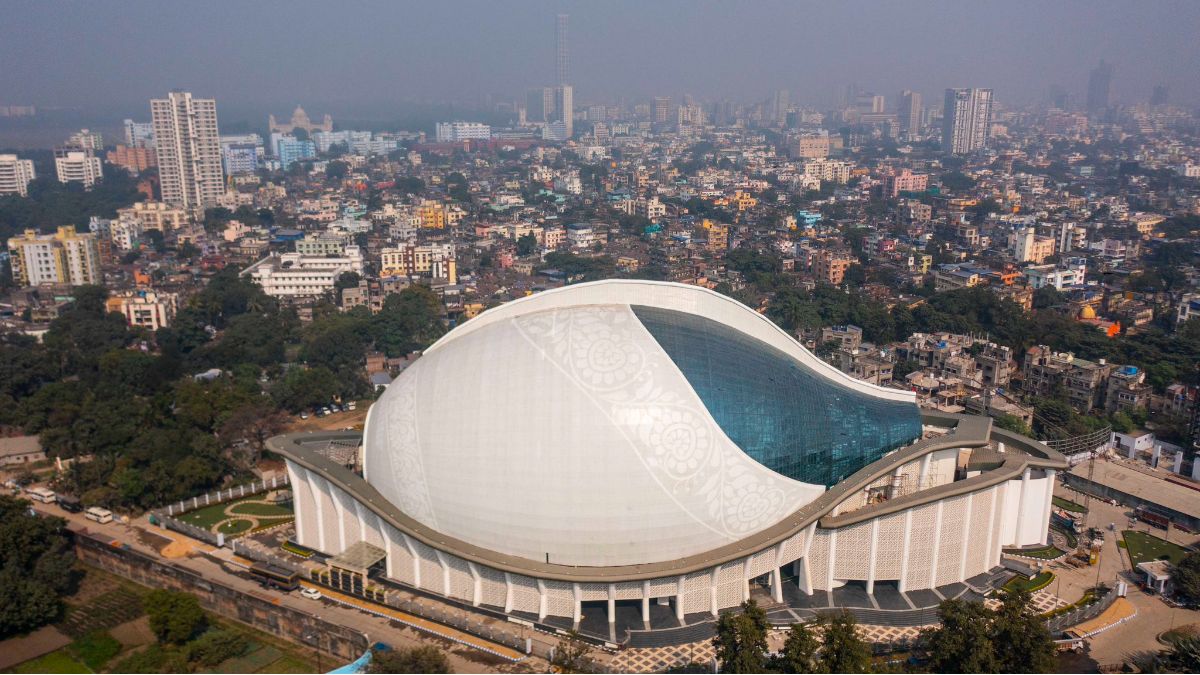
(1144, 547)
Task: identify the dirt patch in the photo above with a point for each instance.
(154, 541)
(133, 633)
(38, 643)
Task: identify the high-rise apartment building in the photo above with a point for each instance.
(1099, 87)
(662, 109)
(189, 150)
(564, 108)
(139, 134)
(539, 104)
(15, 174)
(78, 166)
(563, 60)
(65, 257)
(909, 111)
(965, 119)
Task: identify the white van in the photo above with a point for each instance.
(41, 494)
(98, 514)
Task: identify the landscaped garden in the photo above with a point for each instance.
(1143, 547)
(238, 516)
(1047, 552)
(1035, 583)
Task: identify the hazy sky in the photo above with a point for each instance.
(351, 55)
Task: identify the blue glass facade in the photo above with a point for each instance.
(778, 410)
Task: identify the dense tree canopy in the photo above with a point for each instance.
(35, 567)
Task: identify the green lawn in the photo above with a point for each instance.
(206, 517)
(1068, 505)
(54, 662)
(1038, 582)
(95, 649)
(1144, 547)
(1048, 552)
(261, 510)
(235, 526)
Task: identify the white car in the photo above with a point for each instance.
(311, 593)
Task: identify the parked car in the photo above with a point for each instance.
(311, 593)
(303, 415)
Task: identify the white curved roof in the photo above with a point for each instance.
(555, 428)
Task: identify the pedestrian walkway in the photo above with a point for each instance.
(423, 625)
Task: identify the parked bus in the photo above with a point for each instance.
(99, 515)
(275, 576)
(69, 503)
(41, 494)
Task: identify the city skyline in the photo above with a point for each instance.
(470, 51)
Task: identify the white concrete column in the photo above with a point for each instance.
(712, 591)
(445, 572)
(832, 560)
(1021, 504)
(508, 593)
(339, 511)
(542, 600)
(293, 472)
(646, 602)
(416, 560)
(746, 579)
(902, 586)
(362, 521)
(924, 473)
(991, 528)
(804, 576)
(874, 550)
(318, 494)
(387, 545)
(679, 592)
(966, 537)
(577, 612)
(937, 543)
(476, 585)
(612, 603)
(1045, 526)
(776, 585)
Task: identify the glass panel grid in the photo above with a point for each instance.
(781, 412)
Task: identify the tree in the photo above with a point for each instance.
(1183, 656)
(216, 646)
(571, 655)
(799, 653)
(336, 170)
(842, 650)
(1013, 423)
(526, 244)
(1023, 642)
(347, 280)
(35, 567)
(1186, 577)
(741, 641)
(175, 617)
(962, 643)
(409, 320)
(427, 659)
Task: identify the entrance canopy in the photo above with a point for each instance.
(358, 558)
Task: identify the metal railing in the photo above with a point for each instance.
(222, 496)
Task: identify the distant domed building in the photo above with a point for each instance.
(300, 120)
(638, 445)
